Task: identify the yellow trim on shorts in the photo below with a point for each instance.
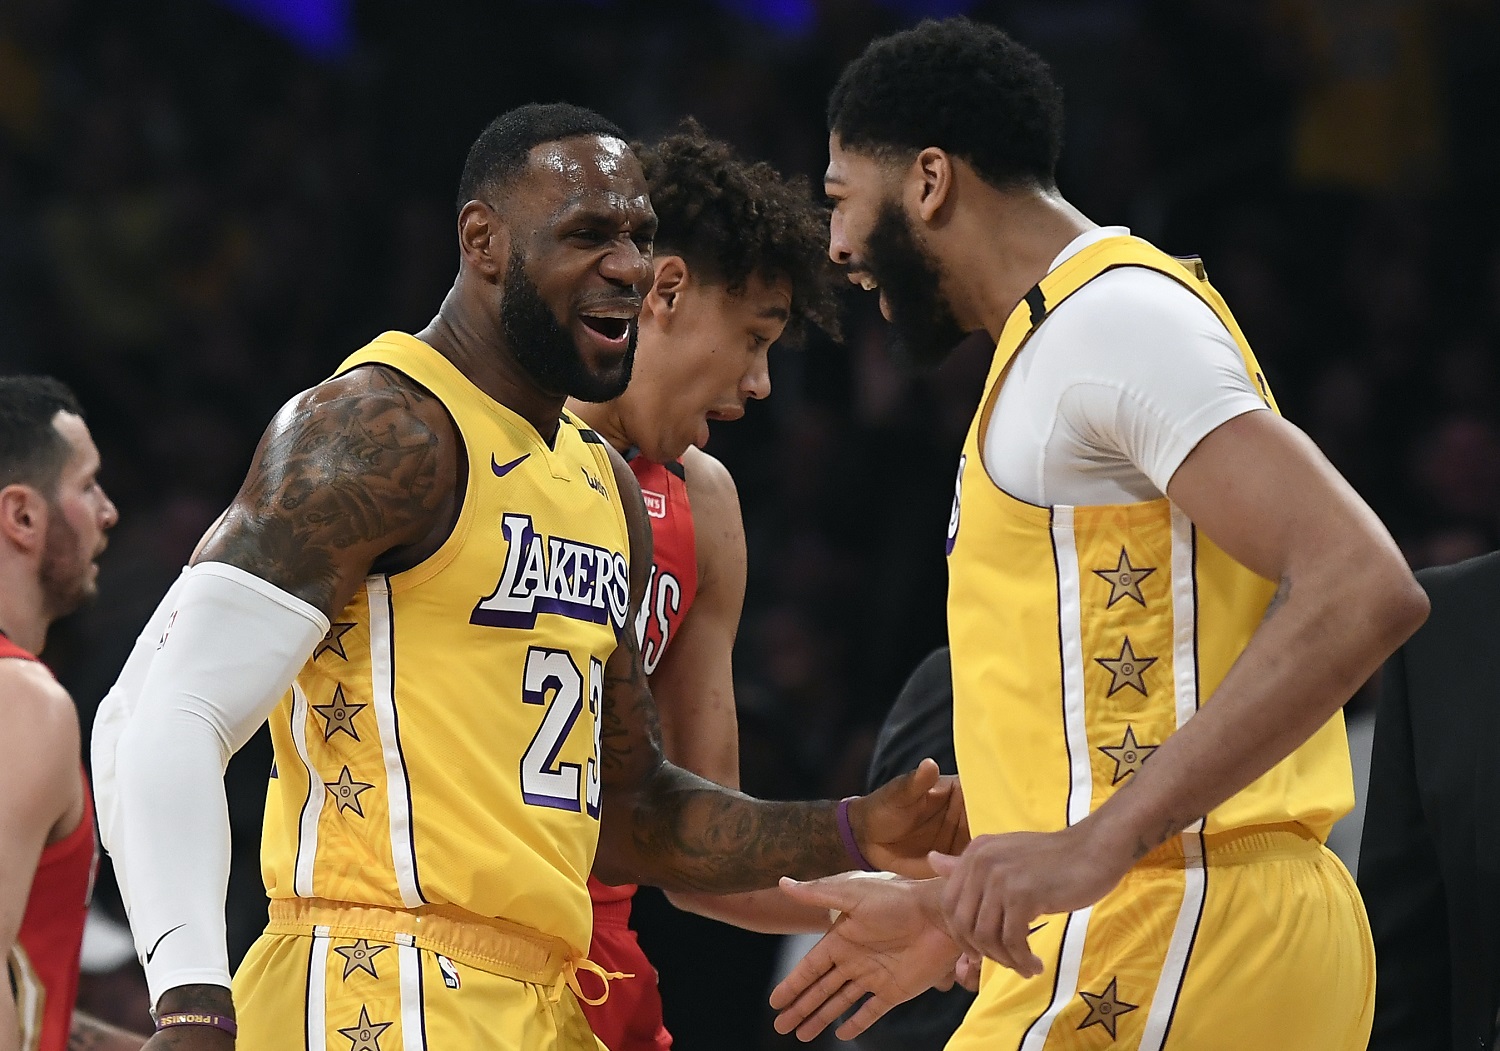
(1241, 846)
(510, 950)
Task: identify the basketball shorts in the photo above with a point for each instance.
(630, 1020)
(1239, 941)
(330, 976)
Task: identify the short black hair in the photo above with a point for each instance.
(961, 86)
(503, 146)
(32, 452)
(731, 220)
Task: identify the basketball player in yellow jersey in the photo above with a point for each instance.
(1150, 743)
(428, 582)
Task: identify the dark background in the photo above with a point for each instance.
(200, 217)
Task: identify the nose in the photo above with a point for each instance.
(756, 382)
(109, 514)
(628, 264)
(838, 240)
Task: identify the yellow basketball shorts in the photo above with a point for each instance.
(356, 984)
(1241, 941)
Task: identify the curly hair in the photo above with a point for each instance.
(961, 86)
(733, 220)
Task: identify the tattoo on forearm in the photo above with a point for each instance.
(1283, 592)
(359, 469)
(686, 832)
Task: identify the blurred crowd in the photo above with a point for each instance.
(197, 220)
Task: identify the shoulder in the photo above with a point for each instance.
(710, 486)
(42, 718)
(368, 393)
(1133, 300)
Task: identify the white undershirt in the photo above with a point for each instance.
(1114, 389)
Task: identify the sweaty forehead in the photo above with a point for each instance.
(593, 171)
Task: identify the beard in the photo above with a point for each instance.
(546, 350)
(65, 576)
(924, 330)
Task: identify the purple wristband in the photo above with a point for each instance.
(846, 833)
(212, 1021)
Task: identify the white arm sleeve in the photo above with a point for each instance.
(229, 648)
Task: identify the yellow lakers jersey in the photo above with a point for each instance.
(441, 745)
(1084, 637)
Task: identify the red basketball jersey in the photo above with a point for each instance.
(44, 963)
(669, 592)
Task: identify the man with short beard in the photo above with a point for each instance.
(1150, 742)
(53, 519)
(428, 583)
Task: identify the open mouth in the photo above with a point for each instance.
(611, 328)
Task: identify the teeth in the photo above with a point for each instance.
(867, 283)
(614, 315)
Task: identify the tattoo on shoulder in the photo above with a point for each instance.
(361, 467)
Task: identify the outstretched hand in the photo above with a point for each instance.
(899, 823)
(889, 943)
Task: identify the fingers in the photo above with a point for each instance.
(830, 1012)
(942, 864)
(1014, 934)
(862, 1019)
(815, 978)
(966, 972)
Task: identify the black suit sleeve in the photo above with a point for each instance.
(1401, 881)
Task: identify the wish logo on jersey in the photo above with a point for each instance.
(958, 499)
(555, 575)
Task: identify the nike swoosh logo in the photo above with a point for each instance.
(503, 469)
(152, 951)
(1038, 927)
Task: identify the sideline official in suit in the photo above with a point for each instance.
(1429, 862)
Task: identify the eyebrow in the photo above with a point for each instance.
(775, 314)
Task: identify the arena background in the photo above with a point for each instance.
(204, 206)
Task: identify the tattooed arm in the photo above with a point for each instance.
(668, 827)
(356, 470)
(358, 473)
(89, 1034)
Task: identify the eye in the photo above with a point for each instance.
(644, 241)
(588, 236)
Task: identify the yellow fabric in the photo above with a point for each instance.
(1281, 957)
(336, 990)
(1082, 638)
(1033, 615)
(441, 746)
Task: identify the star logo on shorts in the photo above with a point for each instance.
(1104, 1008)
(346, 792)
(333, 641)
(1124, 580)
(360, 957)
(338, 716)
(365, 1035)
(1128, 755)
(1125, 670)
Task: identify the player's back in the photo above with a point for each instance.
(440, 747)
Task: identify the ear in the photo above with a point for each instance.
(672, 279)
(930, 182)
(23, 517)
(483, 239)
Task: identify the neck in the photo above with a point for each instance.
(603, 417)
(22, 615)
(474, 341)
(1019, 234)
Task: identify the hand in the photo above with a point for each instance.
(900, 822)
(193, 999)
(1000, 884)
(889, 943)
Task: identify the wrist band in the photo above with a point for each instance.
(223, 1022)
(846, 833)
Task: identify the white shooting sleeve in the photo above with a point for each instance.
(228, 648)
